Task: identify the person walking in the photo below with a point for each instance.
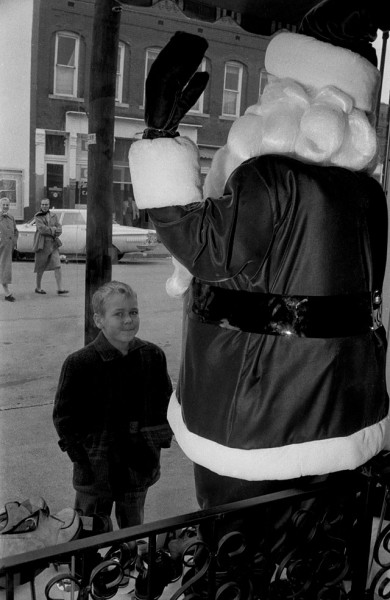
(110, 410)
(8, 237)
(46, 244)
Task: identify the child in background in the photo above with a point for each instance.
(110, 410)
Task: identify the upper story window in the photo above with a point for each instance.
(232, 89)
(151, 55)
(66, 64)
(198, 106)
(119, 73)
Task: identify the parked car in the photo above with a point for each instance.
(74, 226)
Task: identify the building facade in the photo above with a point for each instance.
(235, 59)
(16, 26)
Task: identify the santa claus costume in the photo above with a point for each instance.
(283, 251)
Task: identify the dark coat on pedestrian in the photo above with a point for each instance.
(8, 236)
(110, 413)
(48, 230)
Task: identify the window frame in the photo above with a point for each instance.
(263, 80)
(120, 73)
(76, 38)
(238, 91)
(152, 49)
(200, 102)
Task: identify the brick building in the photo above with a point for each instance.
(61, 41)
(46, 116)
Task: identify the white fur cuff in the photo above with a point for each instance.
(165, 172)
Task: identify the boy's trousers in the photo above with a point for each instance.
(129, 507)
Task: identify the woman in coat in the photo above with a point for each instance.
(8, 237)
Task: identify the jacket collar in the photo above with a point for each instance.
(108, 352)
(40, 213)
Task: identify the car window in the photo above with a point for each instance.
(73, 218)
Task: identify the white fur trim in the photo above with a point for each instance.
(165, 172)
(285, 462)
(316, 64)
(179, 282)
(223, 164)
(360, 147)
(321, 127)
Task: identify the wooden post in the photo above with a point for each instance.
(100, 152)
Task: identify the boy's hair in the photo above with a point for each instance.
(106, 291)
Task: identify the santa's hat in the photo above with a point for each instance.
(333, 48)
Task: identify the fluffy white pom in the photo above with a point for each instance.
(321, 133)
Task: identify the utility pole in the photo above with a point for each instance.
(105, 41)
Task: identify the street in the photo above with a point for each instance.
(36, 334)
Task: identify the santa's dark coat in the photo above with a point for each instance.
(272, 405)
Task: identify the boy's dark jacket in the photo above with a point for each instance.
(110, 414)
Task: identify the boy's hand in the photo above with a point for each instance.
(76, 452)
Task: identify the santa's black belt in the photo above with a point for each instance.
(274, 314)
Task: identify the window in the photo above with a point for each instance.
(8, 189)
(11, 186)
(198, 106)
(151, 55)
(232, 90)
(263, 81)
(66, 64)
(119, 73)
(55, 144)
(121, 150)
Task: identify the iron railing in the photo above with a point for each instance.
(328, 555)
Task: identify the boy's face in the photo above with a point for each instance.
(120, 321)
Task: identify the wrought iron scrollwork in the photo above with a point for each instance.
(380, 584)
(315, 563)
(302, 544)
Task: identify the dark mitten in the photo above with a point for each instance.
(173, 85)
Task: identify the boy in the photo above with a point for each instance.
(110, 410)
